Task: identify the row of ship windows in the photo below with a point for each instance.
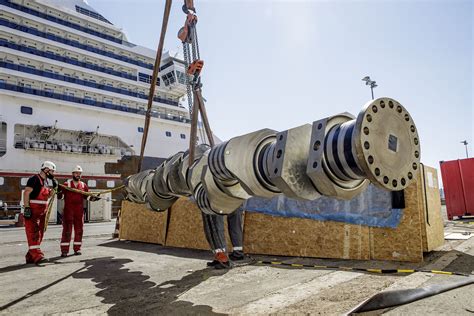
(87, 100)
(48, 73)
(69, 58)
(72, 22)
(167, 133)
(87, 62)
(90, 183)
(97, 48)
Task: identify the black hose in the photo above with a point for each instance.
(400, 297)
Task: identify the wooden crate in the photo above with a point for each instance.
(138, 223)
(420, 230)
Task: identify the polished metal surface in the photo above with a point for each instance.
(221, 203)
(336, 156)
(387, 144)
(325, 181)
(240, 156)
(290, 158)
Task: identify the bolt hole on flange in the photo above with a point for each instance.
(315, 165)
(412, 129)
(377, 172)
(390, 104)
(385, 179)
(281, 137)
(415, 140)
(279, 153)
(275, 171)
(403, 181)
(394, 183)
(316, 145)
(407, 117)
(370, 159)
(374, 108)
(410, 175)
(382, 104)
(366, 130)
(320, 126)
(417, 154)
(399, 109)
(366, 145)
(369, 118)
(415, 166)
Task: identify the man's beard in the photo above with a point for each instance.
(76, 178)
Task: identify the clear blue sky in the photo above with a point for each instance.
(280, 64)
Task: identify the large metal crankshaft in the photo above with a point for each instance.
(336, 156)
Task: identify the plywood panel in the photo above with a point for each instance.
(271, 235)
(403, 243)
(432, 224)
(138, 223)
(186, 228)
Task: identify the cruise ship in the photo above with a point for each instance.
(73, 90)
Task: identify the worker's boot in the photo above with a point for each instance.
(29, 258)
(64, 254)
(237, 255)
(223, 261)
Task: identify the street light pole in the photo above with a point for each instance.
(465, 144)
(371, 83)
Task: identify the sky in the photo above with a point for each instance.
(281, 64)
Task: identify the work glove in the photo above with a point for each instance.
(27, 212)
(93, 198)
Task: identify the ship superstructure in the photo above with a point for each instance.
(73, 90)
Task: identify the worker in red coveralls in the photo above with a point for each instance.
(73, 213)
(35, 203)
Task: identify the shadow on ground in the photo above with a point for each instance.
(132, 292)
(464, 263)
(159, 250)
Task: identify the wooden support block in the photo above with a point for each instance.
(186, 228)
(403, 243)
(273, 235)
(138, 223)
(432, 223)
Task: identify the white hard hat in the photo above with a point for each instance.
(77, 169)
(48, 164)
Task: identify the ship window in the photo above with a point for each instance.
(23, 181)
(183, 136)
(26, 110)
(91, 183)
(110, 184)
(168, 78)
(3, 139)
(181, 77)
(168, 134)
(2, 181)
(140, 129)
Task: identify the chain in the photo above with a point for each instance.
(195, 42)
(188, 84)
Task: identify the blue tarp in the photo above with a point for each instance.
(373, 207)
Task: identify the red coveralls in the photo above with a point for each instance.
(73, 214)
(34, 226)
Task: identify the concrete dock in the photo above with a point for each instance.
(121, 278)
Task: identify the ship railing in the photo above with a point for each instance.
(83, 82)
(64, 97)
(64, 59)
(70, 148)
(74, 43)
